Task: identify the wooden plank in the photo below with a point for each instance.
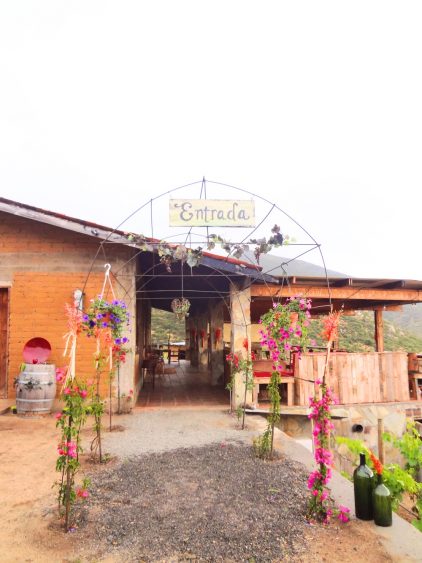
(400, 360)
(404, 377)
(376, 379)
(389, 376)
(315, 292)
(355, 378)
(358, 383)
(382, 378)
(395, 359)
(344, 379)
(362, 383)
(334, 375)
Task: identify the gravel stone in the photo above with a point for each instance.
(212, 503)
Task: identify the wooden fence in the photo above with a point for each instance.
(355, 378)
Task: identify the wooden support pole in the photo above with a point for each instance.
(381, 449)
(379, 331)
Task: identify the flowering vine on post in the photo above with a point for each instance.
(239, 364)
(70, 421)
(321, 507)
(284, 332)
(105, 321)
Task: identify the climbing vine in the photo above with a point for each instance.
(284, 332)
(321, 506)
(171, 253)
(105, 321)
(243, 365)
(70, 422)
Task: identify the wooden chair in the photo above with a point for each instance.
(415, 376)
(262, 370)
(415, 385)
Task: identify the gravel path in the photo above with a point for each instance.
(214, 503)
(163, 430)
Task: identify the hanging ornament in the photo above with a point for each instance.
(217, 335)
(180, 307)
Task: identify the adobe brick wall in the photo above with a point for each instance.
(37, 308)
(43, 265)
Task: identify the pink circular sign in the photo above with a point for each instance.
(36, 351)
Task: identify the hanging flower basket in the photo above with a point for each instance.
(180, 308)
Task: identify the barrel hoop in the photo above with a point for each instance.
(19, 382)
(34, 400)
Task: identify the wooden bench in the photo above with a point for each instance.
(264, 368)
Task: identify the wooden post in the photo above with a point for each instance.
(381, 449)
(379, 331)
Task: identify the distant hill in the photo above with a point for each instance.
(402, 331)
(410, 319)
(165, 327)
(357, 334)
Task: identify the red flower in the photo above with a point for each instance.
(217, 335)
(246, 344)
(331, 323)
(377, 464)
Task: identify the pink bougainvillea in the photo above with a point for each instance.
(321, 505)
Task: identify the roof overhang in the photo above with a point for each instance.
(63, 221)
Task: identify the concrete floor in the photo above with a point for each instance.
(186, 387)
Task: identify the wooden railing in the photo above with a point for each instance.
(354, 377)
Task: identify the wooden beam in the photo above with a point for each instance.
(394, 285)
(361, 294)
(341, 283)
(379, 331)
(389, 308)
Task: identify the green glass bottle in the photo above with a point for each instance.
(363, 483)
(383, 512)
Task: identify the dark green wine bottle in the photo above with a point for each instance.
(363, 482)
(383, 512)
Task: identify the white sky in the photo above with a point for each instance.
(316, 106)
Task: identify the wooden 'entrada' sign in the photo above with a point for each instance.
(212, 213)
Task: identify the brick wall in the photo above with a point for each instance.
(37, 308)
(43, 265)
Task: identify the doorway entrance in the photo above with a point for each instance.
(181, 385)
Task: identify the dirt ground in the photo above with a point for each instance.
(30, 531)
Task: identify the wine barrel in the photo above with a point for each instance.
(36, 389)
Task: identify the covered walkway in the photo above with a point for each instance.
(185, 386)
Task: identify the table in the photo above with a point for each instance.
(290, 381)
